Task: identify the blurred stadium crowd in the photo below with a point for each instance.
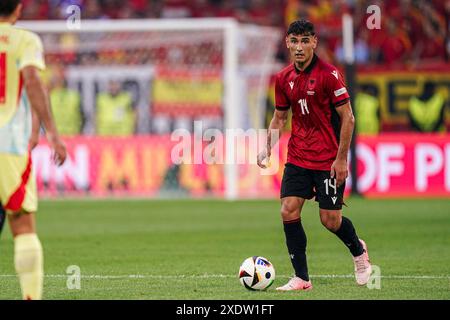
(416, 31)
(414, 36)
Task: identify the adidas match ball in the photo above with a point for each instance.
(256, 273)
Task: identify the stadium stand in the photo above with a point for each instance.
(414, 37)
(417, 30)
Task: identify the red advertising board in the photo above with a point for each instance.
(404, 165)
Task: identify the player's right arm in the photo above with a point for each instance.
(37, 94)
(278, 122)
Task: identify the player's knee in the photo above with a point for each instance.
(21, 223)
(290, 211)
(331, 221)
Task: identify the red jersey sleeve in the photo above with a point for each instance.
(336, 89)
(281, 101)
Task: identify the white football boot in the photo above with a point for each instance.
(296, 283)
(363, 268)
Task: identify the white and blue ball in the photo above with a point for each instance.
(256, 273)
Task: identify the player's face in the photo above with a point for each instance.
(301, 48)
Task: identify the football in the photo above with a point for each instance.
(256, 273)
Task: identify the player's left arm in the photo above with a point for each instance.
(339, 168)
(31, 64)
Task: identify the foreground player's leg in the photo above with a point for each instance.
(28, 255)
(343, 228)
(2, 218)
(296, 243)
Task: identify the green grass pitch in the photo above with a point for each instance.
(186, 249)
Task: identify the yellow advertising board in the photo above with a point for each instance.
(395, 89)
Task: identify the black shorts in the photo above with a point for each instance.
(306, 183)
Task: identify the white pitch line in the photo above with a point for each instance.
(208, 276)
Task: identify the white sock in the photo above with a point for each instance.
(29, 263)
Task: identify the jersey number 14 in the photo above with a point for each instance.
(303, 106)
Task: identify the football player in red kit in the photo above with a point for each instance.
(322, 127)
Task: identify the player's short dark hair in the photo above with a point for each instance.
(302, 28)
(7, 7)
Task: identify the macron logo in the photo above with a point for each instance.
(334, 73)
(291, 84)
(334, 199)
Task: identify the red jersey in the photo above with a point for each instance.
(313, 95)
